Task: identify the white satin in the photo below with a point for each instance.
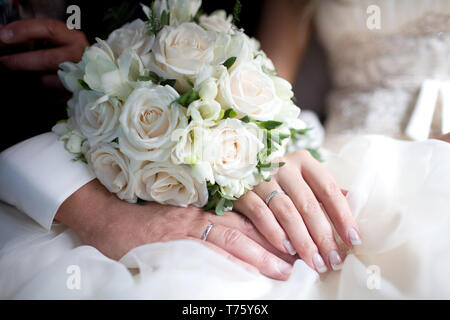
(37, 175)
(399, 193)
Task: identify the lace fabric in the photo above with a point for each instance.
(377, 74)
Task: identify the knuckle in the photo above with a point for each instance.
(265, 258)
(330, 189)
(310, 206)
(303, 154)
(247, 226)
(231, 237)
(306, 249)
(325, 242)
(258, 210)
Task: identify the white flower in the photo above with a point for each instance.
(114, 170)
(205, 112)
(132, 36)
(110, 76)
(231, 151)
(68, 133)
(97, 116)
(217, 21)
(147, 122)
(283, 88)
(237, 45)
(207, 90)
(181, 52)
(170, 184)
(70, 74)
(180, 10)
(189, 146)
(250, 91)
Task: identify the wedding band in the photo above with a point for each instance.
(208, 229)
(273, 194)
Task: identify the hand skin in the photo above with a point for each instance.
(306, 215)
(67, 45)
(115, 227)
(445, 137)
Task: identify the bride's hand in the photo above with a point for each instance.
(115, 227)
(295, 222)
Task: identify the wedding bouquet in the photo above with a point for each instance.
(183, 109)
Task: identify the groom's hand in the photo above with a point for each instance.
(115, 227)
(40, 45)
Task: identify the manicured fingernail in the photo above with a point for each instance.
(335, 260)
(319, 263)
(6, 35)
(289, 247)
(284, 267)
(354, 237)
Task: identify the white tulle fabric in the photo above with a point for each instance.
(399, 193)
(378, 74)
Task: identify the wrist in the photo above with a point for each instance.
(87, 210)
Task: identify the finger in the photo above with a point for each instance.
(290, 220)
(40, 60)
(239, 245)
(227, 255)
(243, 224)
(318, 225)
(51, 81)
(254, 208)
(328, 193)
(34, 29)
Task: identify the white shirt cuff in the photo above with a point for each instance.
(38, 175)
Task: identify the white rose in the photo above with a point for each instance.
(69, 75)
(283, 88)
(170, 184)
(114, 170)
(97, 116)
(181, 52)
(204, 111)
(217, 21)
(232, 151)
(132, 36)
(147, 122)
(250, 91)
(110, 76)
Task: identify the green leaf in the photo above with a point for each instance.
(80, 157)
(220, 206)
(237, 12)
(62, 121)
(141, 202)
(245, 119)
(170, 82)
(165, 18)
(269, 125)
(315, 154)
(188, 97)
(230, 113)
(84, 84)
(211, 204)
(189, 81)
(229, 62)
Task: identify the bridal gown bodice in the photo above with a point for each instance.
(378, 75)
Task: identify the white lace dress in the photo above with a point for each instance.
(393, 80)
